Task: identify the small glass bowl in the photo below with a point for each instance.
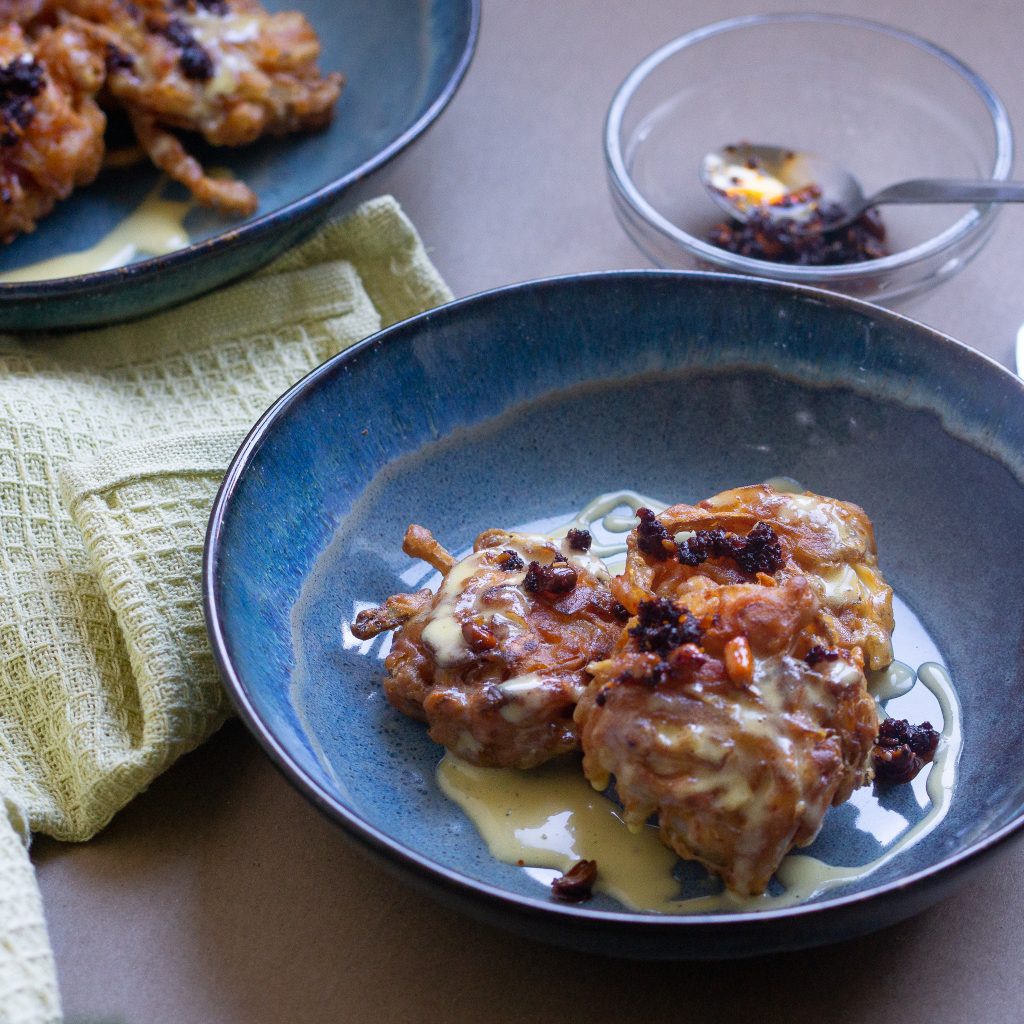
(883, 102)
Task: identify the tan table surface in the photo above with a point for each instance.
(222, 896)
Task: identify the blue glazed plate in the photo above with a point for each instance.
(403, 62)
(523, 403)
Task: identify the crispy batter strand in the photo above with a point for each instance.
(420, 543)
(167, 152)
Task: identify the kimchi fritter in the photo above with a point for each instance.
(496, 660)
(754, 533)
(225, 69)
(51, 128)
(704, 717)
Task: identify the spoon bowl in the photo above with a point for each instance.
(777, 182)
(789, 185)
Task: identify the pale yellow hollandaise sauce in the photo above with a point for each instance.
(155, 227)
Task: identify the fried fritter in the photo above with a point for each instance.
(704, 717)
(51, 128)
(496, 660)
(829, 542)
(225, 69)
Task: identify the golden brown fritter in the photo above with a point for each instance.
(496, 660)
(225, 69)
(830, 542)
(704, 717)
(733, 705)
(51, 129)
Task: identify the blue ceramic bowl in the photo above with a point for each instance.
(523, 403)
(403, 62)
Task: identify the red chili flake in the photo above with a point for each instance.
(577, 884)
(798, 197)
(579, 540)
(662, 626)
(651, 536)
(117, 59)
(557, 578)
(510, 561)
(818, 653)
(902, 749)
(195, 63)
(21, 81)
(759, 551)
(705, 544)
(814, 242)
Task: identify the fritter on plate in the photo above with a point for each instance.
(496, 660)
(704, 717)
(754, 533)
(225, 69)
(51, 128)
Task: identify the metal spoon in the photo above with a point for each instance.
(790, 185)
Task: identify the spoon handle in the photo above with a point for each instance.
(950, 190)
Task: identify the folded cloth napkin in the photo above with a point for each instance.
(112, 445)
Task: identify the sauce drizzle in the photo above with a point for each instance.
(547, 819)
(155, 227)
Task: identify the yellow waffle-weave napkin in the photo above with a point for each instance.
(112, 446)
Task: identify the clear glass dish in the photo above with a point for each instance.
(885, 103)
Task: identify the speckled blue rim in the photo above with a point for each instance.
(470, 893)
(70, 287)
(977, 218)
